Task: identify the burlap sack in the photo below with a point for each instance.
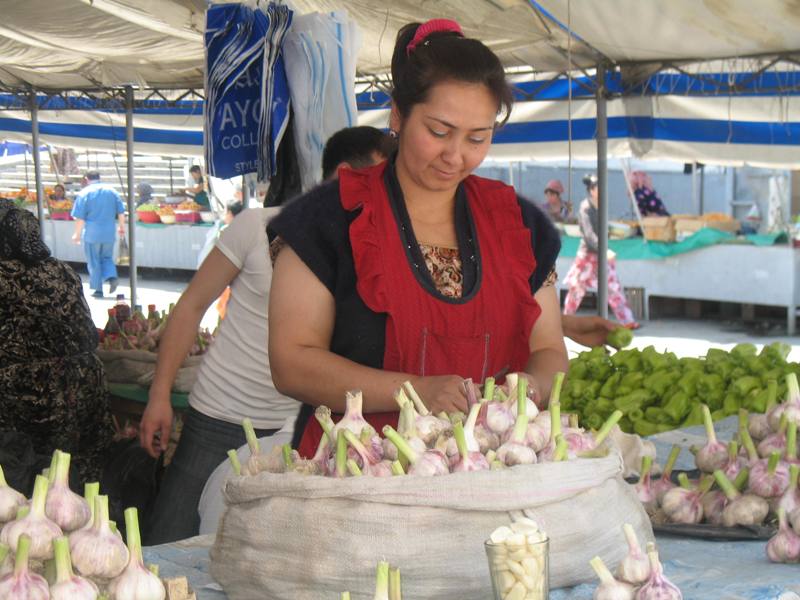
(139, 366)
(291, 537)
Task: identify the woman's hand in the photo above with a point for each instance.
(156, 421)
(588, 331)
(442, 393)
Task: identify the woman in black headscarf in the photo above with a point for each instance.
(52, 385)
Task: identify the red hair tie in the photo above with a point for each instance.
(433, 26)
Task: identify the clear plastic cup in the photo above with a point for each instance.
(519, 572)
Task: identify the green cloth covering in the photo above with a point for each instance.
(137, 393)
(638, 248)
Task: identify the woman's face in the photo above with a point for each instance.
(196, 175)
(58, 191)
(593, 194)
(447, 137)
(553, 198)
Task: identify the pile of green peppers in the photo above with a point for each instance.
(657, 391)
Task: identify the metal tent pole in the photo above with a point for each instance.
(37, 166)
(131, 188)
(602, 193)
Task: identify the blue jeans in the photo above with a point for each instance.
(100, 262)
(203, 445)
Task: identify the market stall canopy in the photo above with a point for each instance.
(82, 44)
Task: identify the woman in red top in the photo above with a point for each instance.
(415, 269)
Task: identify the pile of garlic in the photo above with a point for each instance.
(518, 561)
(42, 541)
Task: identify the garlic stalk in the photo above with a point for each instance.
(382, 581)
(714, 454)
(235, 464)
(10, 499)
(69, 586)
(609, 588)
(340, 458)
(515, 451)
(635, 567)
(759, 423)
(395, 587)
(789, 407)
(98, 552)
(468, 460)
(345, 596)
(790, 456)
(35, 524)
(658, 587)
(23, 584)
(368, 461)
(664, 483)
(735, 462)
(769, 478)
(644, 489)
(429, 463)
(469, 430)
(521, 390)
(136, 582)
(64, 507)
(784, 546)
(742, 509)
(90, 492)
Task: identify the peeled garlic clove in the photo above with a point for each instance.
(136, 582)
(64, 507)
(98, 552)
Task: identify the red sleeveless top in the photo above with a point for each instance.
(482, 333)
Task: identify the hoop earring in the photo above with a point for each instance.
(393, 134)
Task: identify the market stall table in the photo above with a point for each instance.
(157, 245)
(702, 569)
(128, 400)
(710, 265)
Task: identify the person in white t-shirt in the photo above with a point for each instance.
(234, 380)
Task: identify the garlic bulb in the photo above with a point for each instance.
(6, 561)
(664, 483)
(794, 519)
(90, 492)
(775, 442)
(515, 451)
(69, 586)
(784, 546)
(714, 503)
(41, 530)
(658, 587)
(758, 425)
(98, 552)
(769, 478)
(790, 500)
(469, 460)
(429, 426)
(790, 407)
(609, 588)
(64, 507)
(684, 504)
(22, 583)
(429, 463)
(742, 509)
(644, 489)
(10, 500)
(136, 582)
(714, 454)
(635, 567)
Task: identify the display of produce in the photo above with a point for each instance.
(190, 205)
(126, 331)
(657, 391)
(84, 558)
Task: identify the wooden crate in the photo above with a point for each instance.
(658, 229)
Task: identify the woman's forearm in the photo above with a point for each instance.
(543, 365)
(316, 376)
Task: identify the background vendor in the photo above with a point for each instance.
(199, 189)
(398, 273)
(650, 205)
(559, 210)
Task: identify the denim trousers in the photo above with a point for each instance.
(100, 262)
(203, 445)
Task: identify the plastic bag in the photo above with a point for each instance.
(123, 251)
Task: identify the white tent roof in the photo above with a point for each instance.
(73, 44)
